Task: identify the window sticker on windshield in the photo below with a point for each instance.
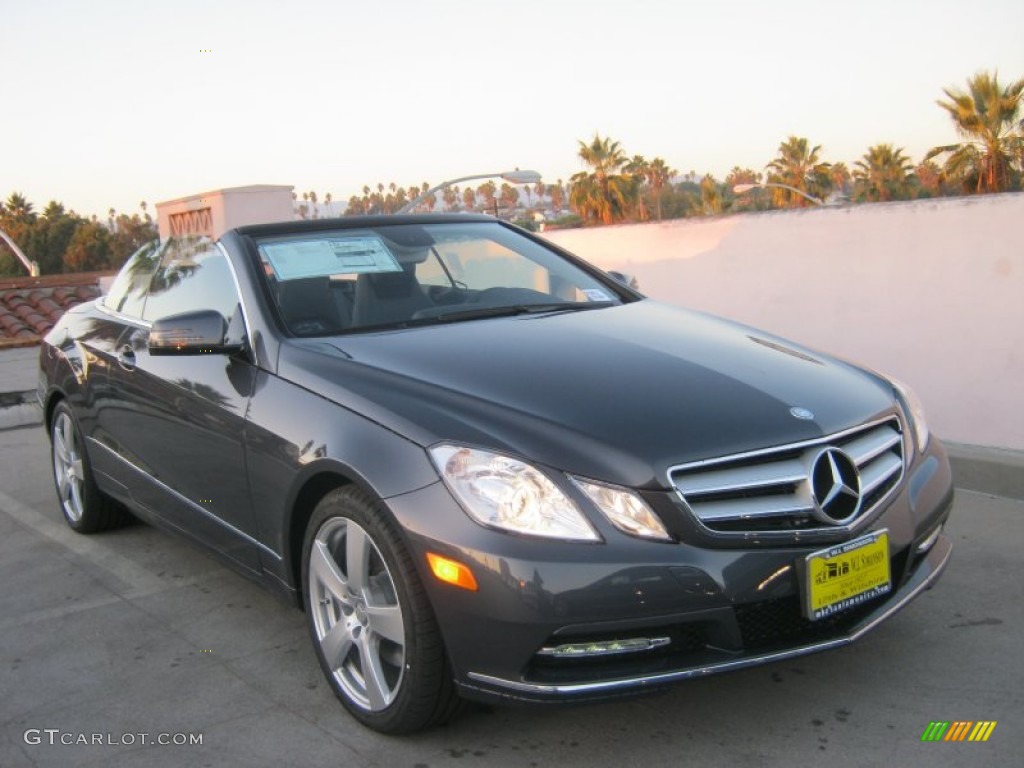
(316, 258)
(596, 294)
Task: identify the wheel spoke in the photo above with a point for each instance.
(76, 468)
(63, 485)
(377, 690)
(357, 558)
(60, 442)
(327, 572)
(75, 499)
(386, 621)
(336, 644)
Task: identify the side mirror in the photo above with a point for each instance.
(191, 333)
(626, 279)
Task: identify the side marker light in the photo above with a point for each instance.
(451, 572)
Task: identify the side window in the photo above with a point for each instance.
(127, 294)
(193, 275)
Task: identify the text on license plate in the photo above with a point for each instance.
(846, 575)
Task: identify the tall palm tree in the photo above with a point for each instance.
(840, 177)
(488, 191)
(882, 174)
(605, 193)
(798, 165)
(659, 174)
(557, 194)
(509, 197)
(710, 196)
(639, 168)
(742, 176)
(985, 116)
(469, 198)
(450, 196)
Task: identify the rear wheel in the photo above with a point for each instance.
(85, 508)
(372, 627)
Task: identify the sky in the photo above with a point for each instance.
(106, 104)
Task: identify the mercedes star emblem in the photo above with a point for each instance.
(835, 487)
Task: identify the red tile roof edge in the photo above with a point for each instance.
(24, 341)
(49, 281)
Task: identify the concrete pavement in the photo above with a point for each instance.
(137, 632)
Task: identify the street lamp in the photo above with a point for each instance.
(515, 177)
(739, 189)
(31, 266)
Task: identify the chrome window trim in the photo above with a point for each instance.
(136, 321)
(241, 303)
(148, 325)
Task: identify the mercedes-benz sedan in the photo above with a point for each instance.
(485, 468)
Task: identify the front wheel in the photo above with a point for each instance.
(372, 627)
(85, 508)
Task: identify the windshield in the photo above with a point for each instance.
(349, 280)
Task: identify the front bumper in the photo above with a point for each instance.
(489, 687)
(721, 609)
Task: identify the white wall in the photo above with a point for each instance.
(929, 291)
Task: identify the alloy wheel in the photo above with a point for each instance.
(356, 614)
(67, 467)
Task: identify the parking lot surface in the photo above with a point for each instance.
(106, 638)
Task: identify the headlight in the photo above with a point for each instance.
(914, 411)
(506, 493)
(624, 509)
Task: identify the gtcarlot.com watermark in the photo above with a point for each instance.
(55, 736)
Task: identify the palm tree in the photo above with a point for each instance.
(798, 166)
(710, 196)
(882, 174)
(605, 193)
(509, 197)
(557, 195)
(839, 176)
(488, 192)
(469, 198)
(930, 179)
(742, 176)
(659, 174)
(450, 195)
(639, 169)
(985, 116)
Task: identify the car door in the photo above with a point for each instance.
(180, 420)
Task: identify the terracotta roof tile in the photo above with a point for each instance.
(29, 307)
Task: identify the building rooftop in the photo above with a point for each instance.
(30, 306)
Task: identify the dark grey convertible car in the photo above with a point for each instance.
(487, 469)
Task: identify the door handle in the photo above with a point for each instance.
(126, 357)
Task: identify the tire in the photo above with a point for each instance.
(372, 627)
(85, 508)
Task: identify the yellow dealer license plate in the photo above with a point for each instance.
(846, 575)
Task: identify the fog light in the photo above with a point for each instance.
(604, 647)
(451, 572)
(929, 542)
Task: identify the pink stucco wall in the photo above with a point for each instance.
(929, 291)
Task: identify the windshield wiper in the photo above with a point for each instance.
(516, 309)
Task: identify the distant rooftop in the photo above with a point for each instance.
(30, 306)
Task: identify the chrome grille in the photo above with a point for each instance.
(770, 490)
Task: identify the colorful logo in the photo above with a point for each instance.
(959, 730)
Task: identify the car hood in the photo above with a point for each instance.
(618, 394)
